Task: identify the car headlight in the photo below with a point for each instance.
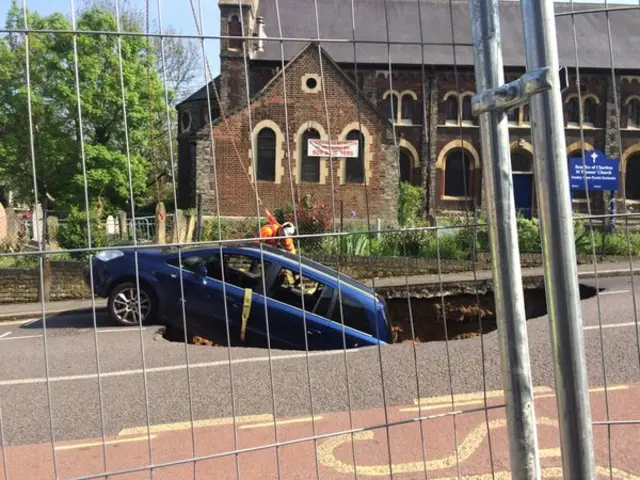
(106, 255)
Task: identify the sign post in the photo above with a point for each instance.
(612, 211)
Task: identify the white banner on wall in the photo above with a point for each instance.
(337, 149)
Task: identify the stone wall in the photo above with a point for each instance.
(22, 285)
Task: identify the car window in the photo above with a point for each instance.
(188, 263)
(291, 288)
(324, 303)
(244, 271)
(354, 314)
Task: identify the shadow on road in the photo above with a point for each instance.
(73, 319)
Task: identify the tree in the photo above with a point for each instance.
(182, 66)
(176, 64)
(110, 149)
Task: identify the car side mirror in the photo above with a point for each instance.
(201, 271)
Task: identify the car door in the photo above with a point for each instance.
(243, 289)
(169, 278)
(349, 315)
(199, 301)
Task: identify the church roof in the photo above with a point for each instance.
(403, 18)
(201, 94)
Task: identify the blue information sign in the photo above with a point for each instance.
(601, 172)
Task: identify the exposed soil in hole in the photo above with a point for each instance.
(466, 316)
(175, 335)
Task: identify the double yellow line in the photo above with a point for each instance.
(478, 398)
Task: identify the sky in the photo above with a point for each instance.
(177, 13)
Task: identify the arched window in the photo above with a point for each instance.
(520, 163)
(309, 166)
(185, 121)
(355, 166)
(235, 30)
(573, 111)
(632, 178)
(406, 166)
(266, 158)
(452, 109)
(633, 114)
(467, 116)
(526, 115)
(457, 177)
(390, 106)
(589, 111)
(407, 108)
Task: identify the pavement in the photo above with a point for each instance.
(86, 396)
(9, 312)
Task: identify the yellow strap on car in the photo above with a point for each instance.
(246, 310)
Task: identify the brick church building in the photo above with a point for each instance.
(344, 90)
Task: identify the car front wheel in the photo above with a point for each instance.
(126, 309)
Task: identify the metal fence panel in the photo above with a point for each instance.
(149, 330)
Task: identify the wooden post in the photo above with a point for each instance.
(178, 227)
(161, 224)
(190, 230)
(122, 217)
(45, 294)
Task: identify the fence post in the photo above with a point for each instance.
(559, 254)
(503, 235)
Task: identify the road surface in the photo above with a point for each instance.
(91, 418)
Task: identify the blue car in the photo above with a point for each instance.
(267, 294)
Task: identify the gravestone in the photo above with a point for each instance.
(4, 228)
(13, 224)
(37, 221)
(111, 226)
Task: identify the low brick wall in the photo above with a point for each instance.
(363, 268)
(22, 285)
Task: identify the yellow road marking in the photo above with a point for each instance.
(281, 422)
(469, 446)
(16, 322)
(464, 397)
(211, 422)
(108, 442)
(547, 472)
(477, 398)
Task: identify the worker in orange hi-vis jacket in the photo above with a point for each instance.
(272, 230)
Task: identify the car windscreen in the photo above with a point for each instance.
(325, 270)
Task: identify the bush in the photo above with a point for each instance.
(313, 219)
(410, 201)
(529, 239)
(72, 234)
(230, 229)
